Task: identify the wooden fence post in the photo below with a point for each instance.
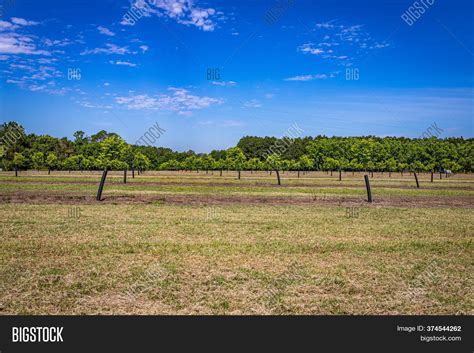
(367, 185)
(101, 185)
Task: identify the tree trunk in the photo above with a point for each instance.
(133, 173)
(125, 176)
(298, 173)
(49, 171)
(432, 176)
(221, 173)
(238, 174)
(340, 175)
(331, 172)
(372, 174)
(16, 171)
(278, 176)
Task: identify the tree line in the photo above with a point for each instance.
(19, 150)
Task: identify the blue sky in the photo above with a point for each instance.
(341, 68)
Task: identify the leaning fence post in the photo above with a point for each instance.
(101, 185)
(367, 185)
(416, 179)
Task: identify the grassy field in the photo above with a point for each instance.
(197, 243)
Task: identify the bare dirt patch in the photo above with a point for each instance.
(404, 201)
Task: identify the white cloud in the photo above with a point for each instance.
(325, 25)
(47, 60)
(307, 77)
(5, 25)
(105, 31)
(144, 48)
(106, 84)
(224, 83)
(308, 48)
(111, 49)
(253, 103)
(124, 63)
(350, 38)
(57, 43)
(269, 95)
(312, 77)
(182, 11)
(179, 100)
(12, 43)
(23, 22)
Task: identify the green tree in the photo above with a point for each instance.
(38, 160)
(114, 153)
(51, 161)
(19, 161)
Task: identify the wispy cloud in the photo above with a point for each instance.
(307, 77)
(312, 77)
(340, 42)
(308, 48)
(14, 43)
(110, 49)
(253, 103)
(123, 63)
(179, 99)
(224, 83)
(182, 11)
(105, 31)
(23, 22)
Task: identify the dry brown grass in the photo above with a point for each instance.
(150, 259)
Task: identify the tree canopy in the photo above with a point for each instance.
(108, 149)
